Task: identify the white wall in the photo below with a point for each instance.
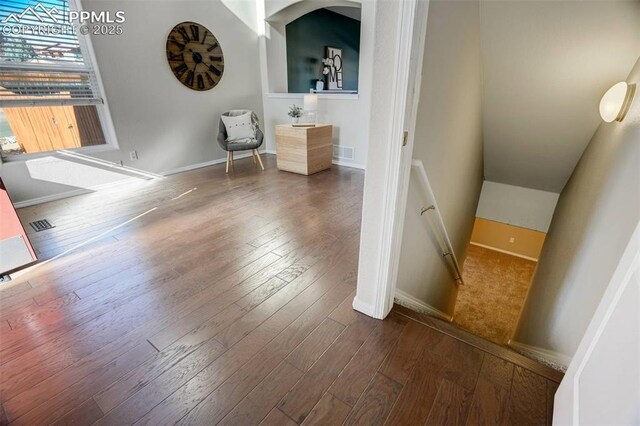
(169, 125)
(246, 11)
(348, 114)
(546, 65)
(275, 64)
(448, 140)
(596, 214)
(602, 383)
(274, 6)
(518, 206)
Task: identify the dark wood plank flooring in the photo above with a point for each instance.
(204, 298)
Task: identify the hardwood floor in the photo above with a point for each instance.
(212, 299)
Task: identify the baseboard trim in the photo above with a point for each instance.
(522, 256)
(205, 164)
(552, 359)
(82, 191)
(364, 308)
(408, 301)
(49, 198)
(334, 162)
(347, 164)
(72, 193)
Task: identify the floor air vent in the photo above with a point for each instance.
(41, 225)
(341, 152)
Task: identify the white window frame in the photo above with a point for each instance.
(104, 113)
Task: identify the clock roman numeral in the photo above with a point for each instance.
(206, 33)
(209, 79)
(195, 32)
(180, 69)
(200, 82)
(213, 46)
(184, 34)
(176, 56)
(177, 43)
(189, 79)
(215, 70)
(217, 58)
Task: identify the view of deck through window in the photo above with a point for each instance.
(26, 130)
(49, 94)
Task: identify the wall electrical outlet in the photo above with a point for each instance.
(512, 239)
(133, 155)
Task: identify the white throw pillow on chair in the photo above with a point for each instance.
(239, 127)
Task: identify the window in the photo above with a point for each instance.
(50, 98)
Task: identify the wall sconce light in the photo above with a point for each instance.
(616, 102)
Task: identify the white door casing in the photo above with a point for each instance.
(389, 162)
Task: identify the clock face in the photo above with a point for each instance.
(195, 56)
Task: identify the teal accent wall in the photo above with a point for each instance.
(307, 38)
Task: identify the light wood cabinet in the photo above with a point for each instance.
(304, 150)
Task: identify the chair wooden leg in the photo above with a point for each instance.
(257, 154)
(228, 161)
(253, 155)
(231, 152)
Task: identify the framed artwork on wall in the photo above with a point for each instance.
(334, 77)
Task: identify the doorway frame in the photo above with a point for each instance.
(391, 138)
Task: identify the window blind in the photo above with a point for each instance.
(42, 60)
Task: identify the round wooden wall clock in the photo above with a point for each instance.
(195, 56)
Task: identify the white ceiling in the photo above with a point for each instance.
(546, 64)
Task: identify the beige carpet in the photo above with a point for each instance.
(495, 287)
